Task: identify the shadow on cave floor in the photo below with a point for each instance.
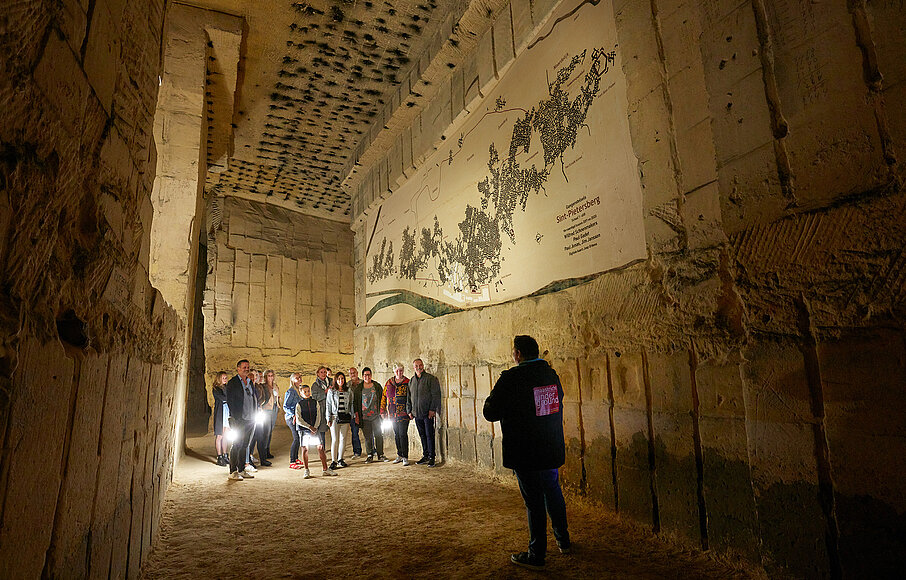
(384, 520)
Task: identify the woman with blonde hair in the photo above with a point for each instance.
(290, 400)
(221, 414)
(270, 384)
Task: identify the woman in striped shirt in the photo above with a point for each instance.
(339, 414)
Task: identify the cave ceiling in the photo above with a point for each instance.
(314, 77)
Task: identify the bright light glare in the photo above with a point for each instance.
(309, 440)
(259, 417)
(387, 425)
(231, 436)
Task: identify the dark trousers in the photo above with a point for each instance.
(426, 434)
(543, 496)
(356, 443)
(401, 434)
(261, 436)
(272, 421)
(374, 438)
(294, 448)
(240, 447)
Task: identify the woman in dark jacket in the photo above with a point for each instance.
(220, 411)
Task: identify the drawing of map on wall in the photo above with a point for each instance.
(538, 190)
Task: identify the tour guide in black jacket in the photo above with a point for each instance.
(528, 402)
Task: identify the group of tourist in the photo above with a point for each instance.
(267, 396)
(527, 400)
(352, 409)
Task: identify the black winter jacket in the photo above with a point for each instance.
(528, 401)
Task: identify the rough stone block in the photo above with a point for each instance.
(542, 10)
(888, 34)
(37, 426)
(865, 426)
(484, 450)
(727, 486)
(344, 337)
(638, 52)
(70, 542)
(741, 121)
(255, 323)
(750, 191)
(689, 97)
(497, 446)
(596, 409)
(470, 81)
(702, 218)
(73, 22)
(318, 284)
(782, 456)
(662, 232)
(697, 157)
(111, 443)
(680, 32)
(521, 15)
(137, 492)
(834, 146)
(304, 272)
(730, 50)
(502, 35)
(272, 301)
(630, 420)
(332, 335)
(648, 125)
(454, 445)
(102, 52)
(674, 459)
(484, 57)
(676, 474)
(571, 472)
(239, 313)
(287, 312)
(63, 83)
(632, 467)
(627, 379)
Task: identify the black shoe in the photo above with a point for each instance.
(431, 463)
(332, 466)
(565, 547)
(220, 460)
(342, 463)
(422, 461)
(265, 463)
(526, 560)
(268, 455)
(369, 459)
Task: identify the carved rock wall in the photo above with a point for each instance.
(89, 424)
(741, 389)
(279, 290)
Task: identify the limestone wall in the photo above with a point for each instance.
(279, 290)
(741, 389)
(90, 352)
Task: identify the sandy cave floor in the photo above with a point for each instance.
(384, 520)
